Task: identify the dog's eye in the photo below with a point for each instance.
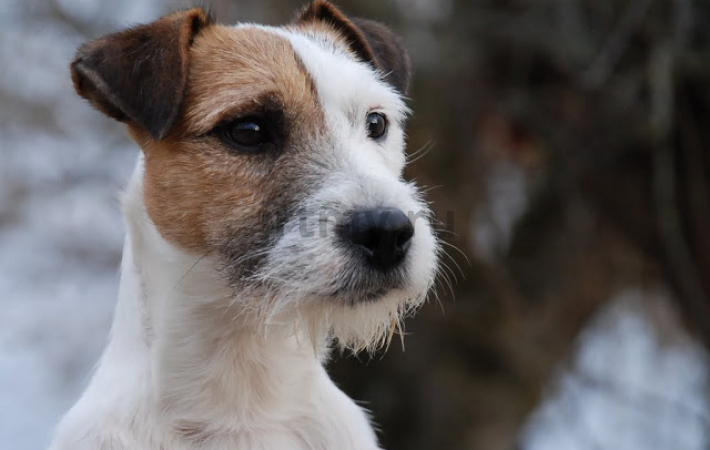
(250, 134)
(376, 125)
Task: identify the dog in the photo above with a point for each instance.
(267, 222)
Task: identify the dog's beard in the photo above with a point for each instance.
(371, 325)
(357, 326)
(318, 288)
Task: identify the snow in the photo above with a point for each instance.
(61, 169)
(636, 382)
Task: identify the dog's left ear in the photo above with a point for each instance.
(372, 42)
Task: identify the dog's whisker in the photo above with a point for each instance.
(450, 269)
(187, 272)
(421, 152)
(437, 298)
(461, 252)
(446, 231)
(426, 189)
(444, 275)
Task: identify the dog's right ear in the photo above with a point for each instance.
(139, 75)
(372, 42)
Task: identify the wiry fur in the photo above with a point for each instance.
(205, 356)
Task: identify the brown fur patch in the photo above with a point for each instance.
(203, 195)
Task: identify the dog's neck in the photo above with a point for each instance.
(173, 336)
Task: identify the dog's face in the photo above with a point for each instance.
(280, 151)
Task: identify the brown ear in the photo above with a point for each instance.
(370, 41)
(139, 75)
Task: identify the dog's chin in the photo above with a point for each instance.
(368, 320)
(326, 292)
(364, 312)
(354, 295)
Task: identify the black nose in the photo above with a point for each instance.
(383, 233)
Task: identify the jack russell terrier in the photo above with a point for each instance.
(267, 221)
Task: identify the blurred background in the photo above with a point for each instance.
(564, 144)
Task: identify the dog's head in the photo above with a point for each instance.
(280, 151)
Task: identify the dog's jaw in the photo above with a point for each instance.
(172, 373)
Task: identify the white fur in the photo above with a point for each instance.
(363, 174)
(192, 365)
